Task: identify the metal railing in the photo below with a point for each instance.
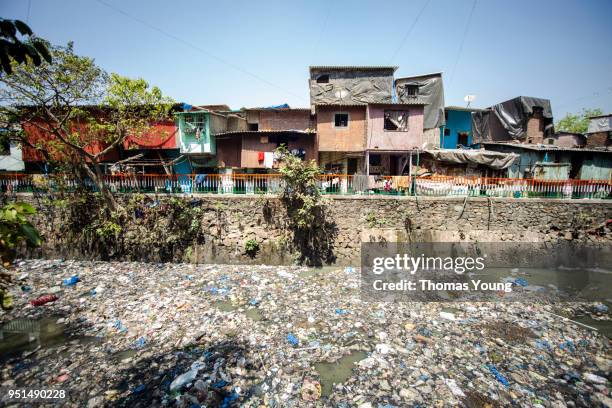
(435, 186)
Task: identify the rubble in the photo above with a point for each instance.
(138, 334)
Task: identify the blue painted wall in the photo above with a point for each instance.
(457, 121)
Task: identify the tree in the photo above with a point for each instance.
(83, 112)
(313, 233)
(14, 50)
(578, 123)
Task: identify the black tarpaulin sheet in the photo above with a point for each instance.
(430, 91)
(512, 115)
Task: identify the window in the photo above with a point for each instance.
(462, 138)
(396, 120)
(551, 141)
(375, 160)
(389, 125)
(323, 79)
(412, 90)
(254, 126)
(446, 131)
(341, 119)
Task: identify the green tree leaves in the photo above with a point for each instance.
(577, 123)
(15, 50)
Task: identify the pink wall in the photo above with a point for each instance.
(380, 139)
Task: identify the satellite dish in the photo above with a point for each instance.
(469, 99)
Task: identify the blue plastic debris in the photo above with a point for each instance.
(189, 277)
(229, 400)
(140, 342)
(292, 340)
(71, 281)
(521, 282)
(349, 269)
(25, 288)
(601, 308)
(253, 302)
(119, 326)
(424, 331)
(220, 384)
(93, 292)
(568, 344)
(138, 389)
(341, 312)
(498, 375)
(543, 345)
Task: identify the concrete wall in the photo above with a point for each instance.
(566, 140)
(379, 138)
(341, 139)
(228, 221)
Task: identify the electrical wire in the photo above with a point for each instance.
(467, 28)
(195, 47)
(414, 23)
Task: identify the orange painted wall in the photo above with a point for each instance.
(349, 139)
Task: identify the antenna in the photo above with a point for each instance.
(469, 99)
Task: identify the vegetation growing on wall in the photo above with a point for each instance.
(15, 229)
(142, 227)
(307, 211)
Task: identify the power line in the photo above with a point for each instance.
(467, 28)
(195, 47)
(323, 27)
(414, 23)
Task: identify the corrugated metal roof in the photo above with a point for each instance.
(418, 76)
(341, 104)
(416, 102)
(549, 148)
(267, 132)
(277, 109)
(353, 68)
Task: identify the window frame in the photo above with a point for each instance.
(348, 120)
(405, 112)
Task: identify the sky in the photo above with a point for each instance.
(257, 53)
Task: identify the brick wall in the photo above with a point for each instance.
(598, 139)
(336, 139)
(285, 120)
(535, 129)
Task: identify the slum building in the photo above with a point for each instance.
(429, 90)
(339, 97)
(252, 149)
(524, 119)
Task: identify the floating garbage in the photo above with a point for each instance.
(247, 335)
(43, 300)
(71, 281)
(291, 339)
(497, 375)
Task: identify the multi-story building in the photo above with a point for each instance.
(429, 90)
(360, 129)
